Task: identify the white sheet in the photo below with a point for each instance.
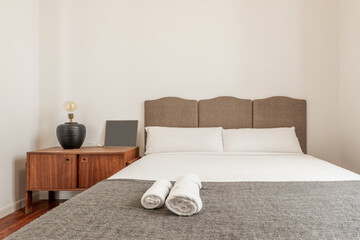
(230, 167)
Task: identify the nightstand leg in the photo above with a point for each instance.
(28, 202)
(51, 196)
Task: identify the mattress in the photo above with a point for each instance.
(232, 167)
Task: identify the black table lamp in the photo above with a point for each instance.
(71, 134)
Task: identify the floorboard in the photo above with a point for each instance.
(18, 219)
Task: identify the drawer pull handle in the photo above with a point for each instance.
(84, 159)
(68, 160)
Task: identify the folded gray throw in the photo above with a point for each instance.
(241, 210)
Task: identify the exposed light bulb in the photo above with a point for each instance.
(70, 107)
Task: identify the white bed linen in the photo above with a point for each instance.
(230, 167)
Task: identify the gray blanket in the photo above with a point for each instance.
(243, 210)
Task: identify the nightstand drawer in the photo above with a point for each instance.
(96, 167)
(52, 171)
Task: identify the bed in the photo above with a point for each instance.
(246, 195)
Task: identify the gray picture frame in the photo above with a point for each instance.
(121, 133)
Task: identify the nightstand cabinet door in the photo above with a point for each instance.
(52, 171)
(94, 168)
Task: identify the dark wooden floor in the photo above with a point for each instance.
(18, 219)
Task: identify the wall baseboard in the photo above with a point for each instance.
(9, 209)
(41, 195)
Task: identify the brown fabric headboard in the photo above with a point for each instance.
(229, 112)
(281, 112)
(171, 112)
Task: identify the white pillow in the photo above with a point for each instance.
(282, 140)
(168, 139)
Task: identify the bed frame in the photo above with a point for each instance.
(229, 112)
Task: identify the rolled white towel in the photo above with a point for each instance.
(184, 198)
(155, 196)
(190, 177)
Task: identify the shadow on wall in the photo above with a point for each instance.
(19, 178)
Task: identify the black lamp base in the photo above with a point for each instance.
(71, 135)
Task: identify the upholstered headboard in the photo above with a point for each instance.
(171, 112)
(226, 112)
(281, 112)
(229, 112)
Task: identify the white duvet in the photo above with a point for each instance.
(230, 167)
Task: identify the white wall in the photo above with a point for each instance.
(19, 96)
(111, 55)
(350, 83)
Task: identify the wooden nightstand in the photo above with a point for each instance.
(58, 169)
